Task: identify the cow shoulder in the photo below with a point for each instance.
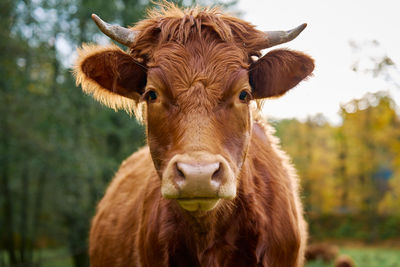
(272, 171)
(112, 235)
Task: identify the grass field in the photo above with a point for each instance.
(367, 257)
(362, 256)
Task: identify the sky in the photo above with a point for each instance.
(332, 27)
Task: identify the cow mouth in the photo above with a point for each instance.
(198, 204)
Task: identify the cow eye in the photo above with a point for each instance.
(151, 95)
(244, 96)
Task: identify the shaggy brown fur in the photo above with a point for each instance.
(344, 261)
(198, 62)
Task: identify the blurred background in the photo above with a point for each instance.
(59, 148)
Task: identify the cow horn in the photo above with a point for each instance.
(117, 33)
(279, 37)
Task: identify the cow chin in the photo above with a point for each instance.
(198, 181)
(198, 204)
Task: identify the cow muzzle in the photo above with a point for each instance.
(198, 181)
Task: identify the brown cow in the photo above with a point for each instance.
(212, 188)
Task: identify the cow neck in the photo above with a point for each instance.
(237, 225)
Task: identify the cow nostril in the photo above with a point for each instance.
(216, 176)
(180, 175)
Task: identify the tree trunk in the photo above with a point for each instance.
(24, 217)
(8, 227)
(81, 259)
(37, 209)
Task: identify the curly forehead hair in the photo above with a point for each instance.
(168, 23)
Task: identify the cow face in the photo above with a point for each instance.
(197, 97)
(198, 121)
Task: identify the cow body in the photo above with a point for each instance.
(212, 187)
(263, 226)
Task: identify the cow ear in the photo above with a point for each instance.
(110, 75)
(278, 71)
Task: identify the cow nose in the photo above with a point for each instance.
(199, 175)
(198, 179)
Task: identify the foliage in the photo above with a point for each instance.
(353, 226)
(351, 170)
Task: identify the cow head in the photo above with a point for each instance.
(194, 74)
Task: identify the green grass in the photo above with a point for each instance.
(66, 262)
(48, 257)
(55, 258)
(367, 257)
